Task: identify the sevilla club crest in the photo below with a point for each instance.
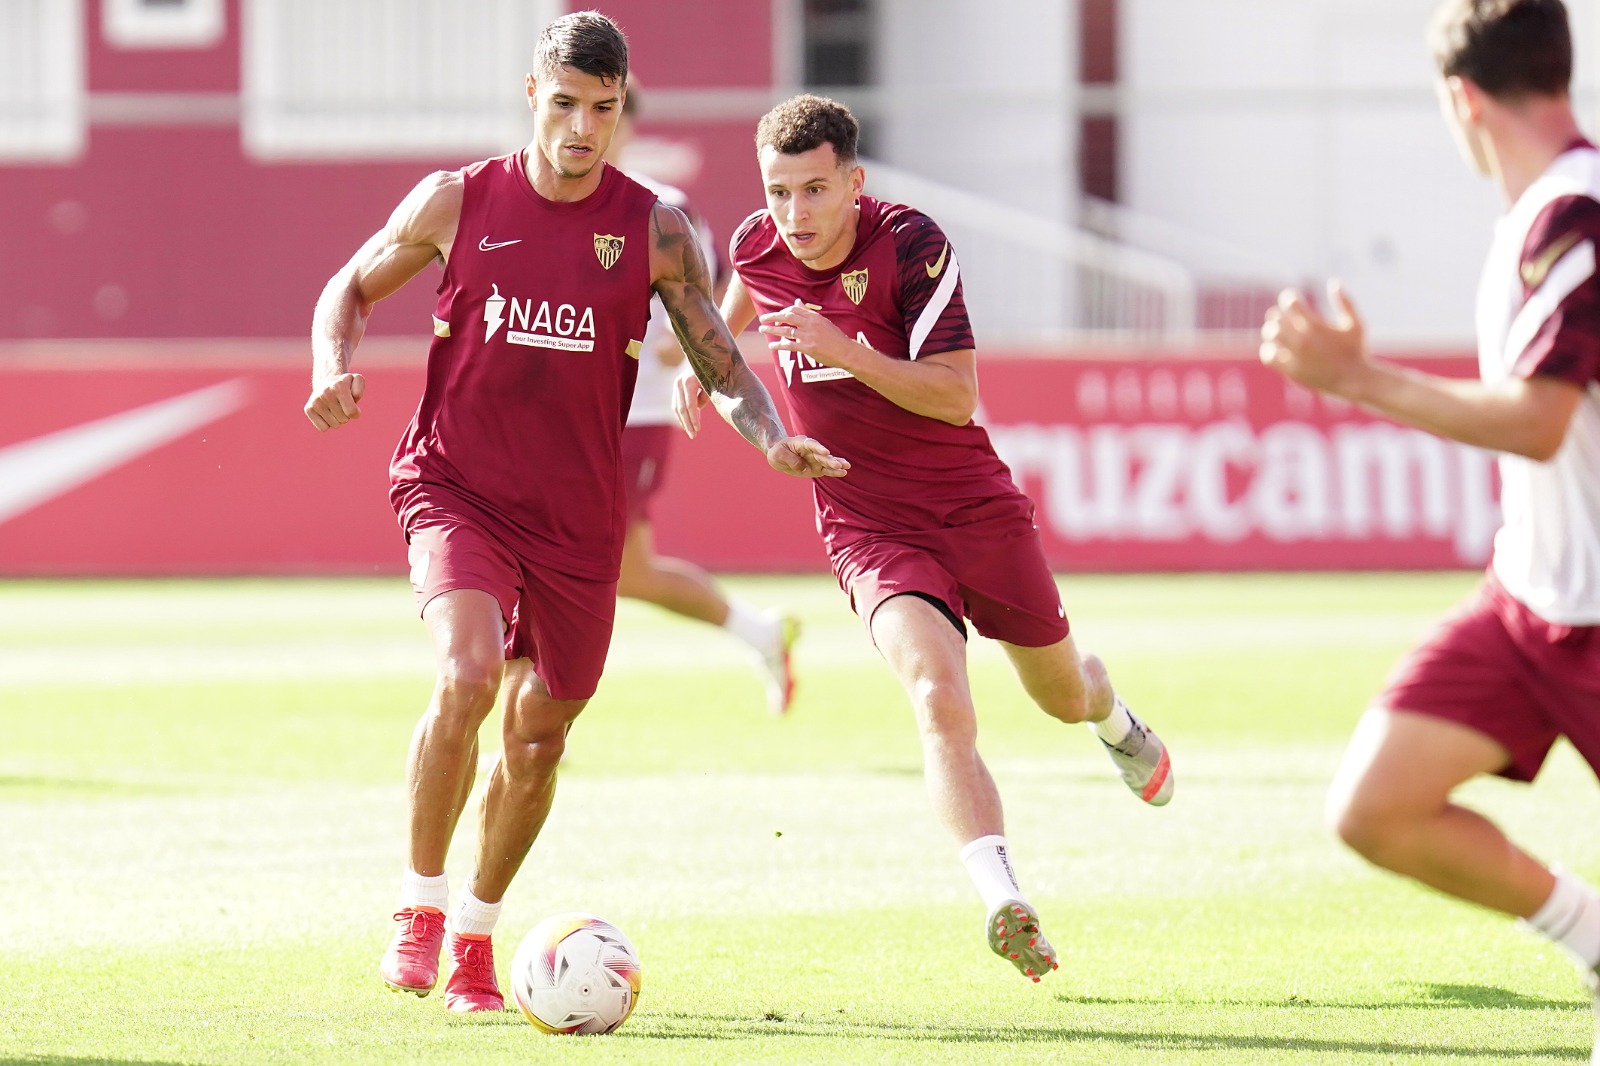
(855, 284)
(608, 249)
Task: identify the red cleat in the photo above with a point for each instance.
(472, 986)
(412, 962)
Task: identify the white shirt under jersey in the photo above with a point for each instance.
(652, 393)
(1539, 314)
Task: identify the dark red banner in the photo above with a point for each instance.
(1220, 464)
(198, 460)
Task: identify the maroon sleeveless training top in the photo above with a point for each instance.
(531, 369)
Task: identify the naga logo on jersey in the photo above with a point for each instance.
(563, 327)
(810, 369)
(494, 313)
(608, 249)
(855, 284)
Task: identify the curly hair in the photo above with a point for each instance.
(1508, 48)
(586, 41)
(804, 122)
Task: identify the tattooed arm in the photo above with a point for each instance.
(679, 275)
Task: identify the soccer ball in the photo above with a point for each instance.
(575, 973)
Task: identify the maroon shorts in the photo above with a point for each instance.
(560, 622)
(1496, 667)
(993, 573)
(645, 451)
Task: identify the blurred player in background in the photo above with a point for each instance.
(508, 482)
(862, 302)
(677, 584)
(1490, 690)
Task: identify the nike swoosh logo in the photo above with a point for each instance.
(1535, 271)
(485, 246)
(35, 471)
(935, 268)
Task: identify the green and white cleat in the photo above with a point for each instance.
(1142, 760)
(778, 667)
(1014, 935)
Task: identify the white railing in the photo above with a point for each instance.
(41, 80)
(1027, 277)
(1236, 284)
(387, 77)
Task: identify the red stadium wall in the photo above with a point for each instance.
(174, 454)
(195, 459)
(165, 227)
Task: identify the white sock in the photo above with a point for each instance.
(474, 917)
(1571, 918)
(759, 629)
(419, 891)
(1116, 725)
(990, 869)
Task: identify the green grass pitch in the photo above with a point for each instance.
(201, 824)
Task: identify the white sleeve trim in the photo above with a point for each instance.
(1570, 271)
(935, 307)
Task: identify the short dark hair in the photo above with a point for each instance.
(1508, 48)
(804, 122)
(583, 40)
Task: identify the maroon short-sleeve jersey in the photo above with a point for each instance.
(530, 373)
(899, 293)
(1566, 344)
(1539, 316)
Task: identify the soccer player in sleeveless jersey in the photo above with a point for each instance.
(678, 585)
(862, 302)
(508, 482)
(1518, 665)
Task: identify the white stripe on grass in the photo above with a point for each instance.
(644, 644)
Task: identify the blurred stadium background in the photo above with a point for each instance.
(1127, 183)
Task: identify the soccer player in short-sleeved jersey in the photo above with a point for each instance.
(861, 300)
(1518, 665)
(508, 482)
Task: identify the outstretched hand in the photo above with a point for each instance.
(804, 457)
(688, 397)
(1321, 353)
(796, 456)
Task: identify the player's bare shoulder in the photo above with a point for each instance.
(675, 253)
(430, 213)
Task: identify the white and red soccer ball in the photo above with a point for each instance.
(575, 974)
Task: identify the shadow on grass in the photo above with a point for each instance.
(1424, 997)
(688, 1026)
